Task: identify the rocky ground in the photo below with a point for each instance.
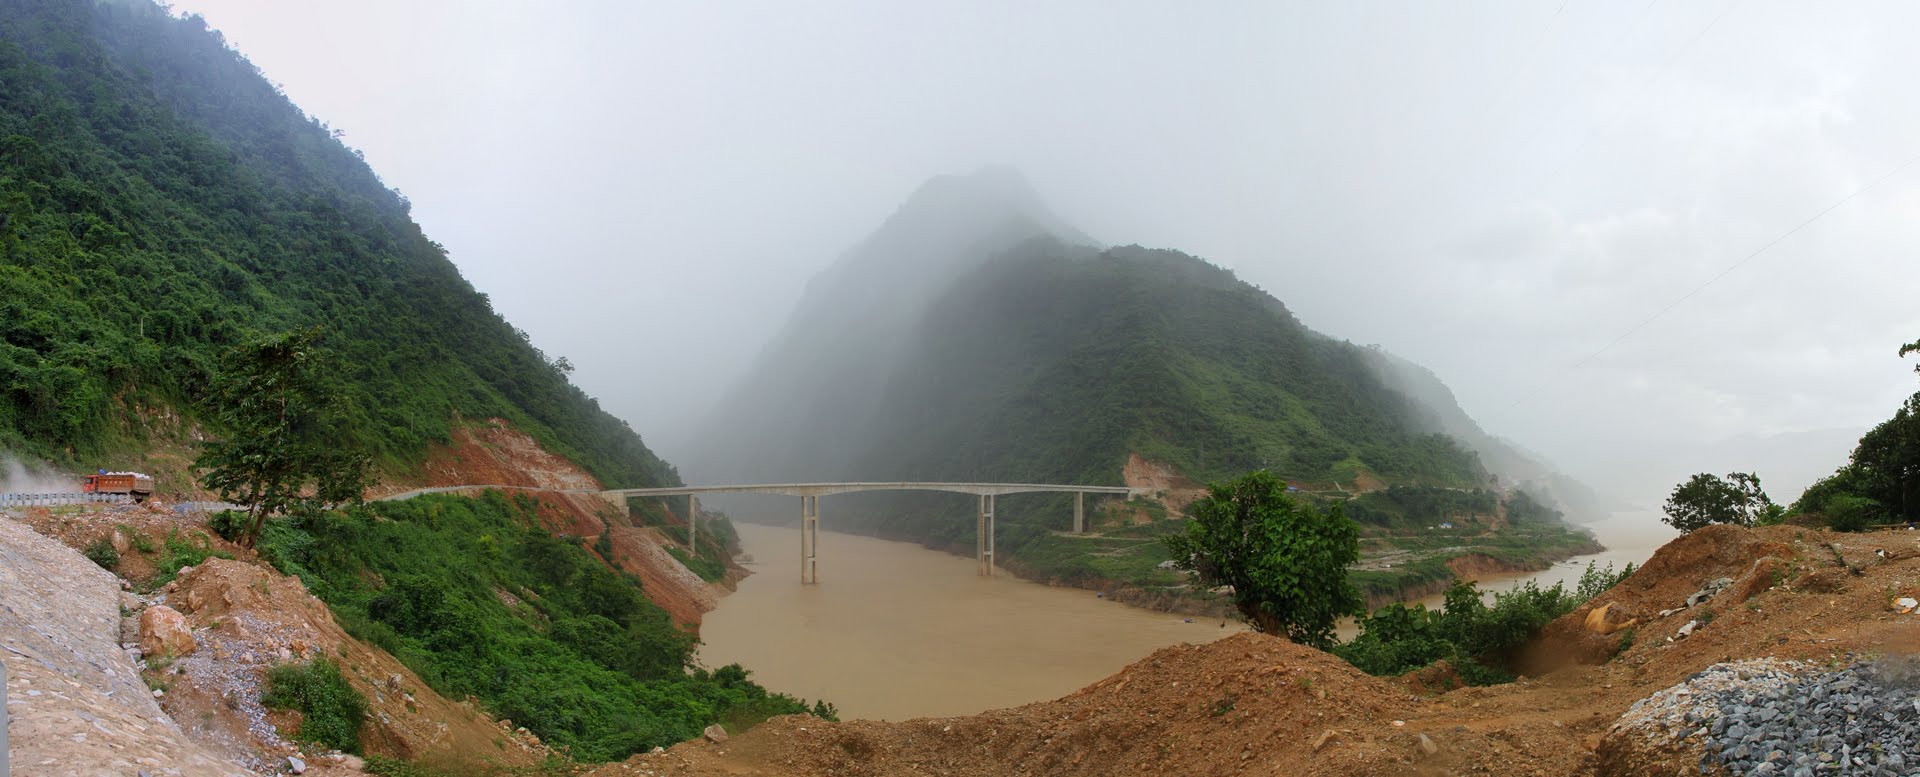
(76, 703)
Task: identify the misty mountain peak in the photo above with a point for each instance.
(993, 206)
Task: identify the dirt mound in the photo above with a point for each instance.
(1589, 635)
(247, 619)
(1247, 703)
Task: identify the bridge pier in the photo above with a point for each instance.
(693, 525)
(809, 539)
(1079, 512)
(984, 540)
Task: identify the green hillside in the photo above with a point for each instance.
(161, 201)
(1054, 362)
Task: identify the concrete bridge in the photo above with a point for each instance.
(810, 494)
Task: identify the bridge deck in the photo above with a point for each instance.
(828, 489)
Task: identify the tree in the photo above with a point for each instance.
(1285, 560)
(286, 448)
(1707, 499)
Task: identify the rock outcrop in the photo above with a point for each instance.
(75, 699)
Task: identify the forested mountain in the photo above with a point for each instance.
(161, 201)
(1013, 349)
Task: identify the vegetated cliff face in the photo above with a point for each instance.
(161, 201)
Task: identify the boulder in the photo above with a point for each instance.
(164, 632)
(715, 734)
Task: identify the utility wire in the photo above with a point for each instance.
(1544, 385)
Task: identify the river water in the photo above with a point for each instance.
(896, 631)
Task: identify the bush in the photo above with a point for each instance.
(1849, 512)
(1479, 640)
(229, 524)
(103, 553)
(331, 710)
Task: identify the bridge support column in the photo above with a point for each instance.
(984, 541)
(693, 525)
(809, 539)
(1079, 512)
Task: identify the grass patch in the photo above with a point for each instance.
(183, 551)
(331, 710)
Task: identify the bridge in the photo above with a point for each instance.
(810, 494)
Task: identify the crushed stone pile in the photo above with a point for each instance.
(1792, 719)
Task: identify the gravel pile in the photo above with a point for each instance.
(1783, 718)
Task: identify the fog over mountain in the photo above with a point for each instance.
(1512, 195)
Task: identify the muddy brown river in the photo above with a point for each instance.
(896, 631)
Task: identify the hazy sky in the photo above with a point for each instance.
(1496, 190)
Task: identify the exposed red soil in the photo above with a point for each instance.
(491, 453)
(1160, 481)
(1255, 704)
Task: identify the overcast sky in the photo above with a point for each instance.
(1496, 190)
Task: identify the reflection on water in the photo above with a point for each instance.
(896, 631)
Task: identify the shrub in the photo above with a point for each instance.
(229, 524)
(331, 709)
(103, 553)
(1850, 512)
(1478, 639)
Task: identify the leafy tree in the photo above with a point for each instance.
(1707, 499)
(284, 451)
(1286, 561)
(1886, 465)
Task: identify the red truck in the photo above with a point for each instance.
(132, 484)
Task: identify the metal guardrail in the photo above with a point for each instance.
(54, 500)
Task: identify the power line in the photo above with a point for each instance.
(1702, 287)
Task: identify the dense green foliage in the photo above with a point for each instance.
(1706, 499)
(331, 710)
(285, 450)
(1422, 506)
(1285, 560)
(1478, 640)
(478, 598)
(1881, 481)
(161, 202)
